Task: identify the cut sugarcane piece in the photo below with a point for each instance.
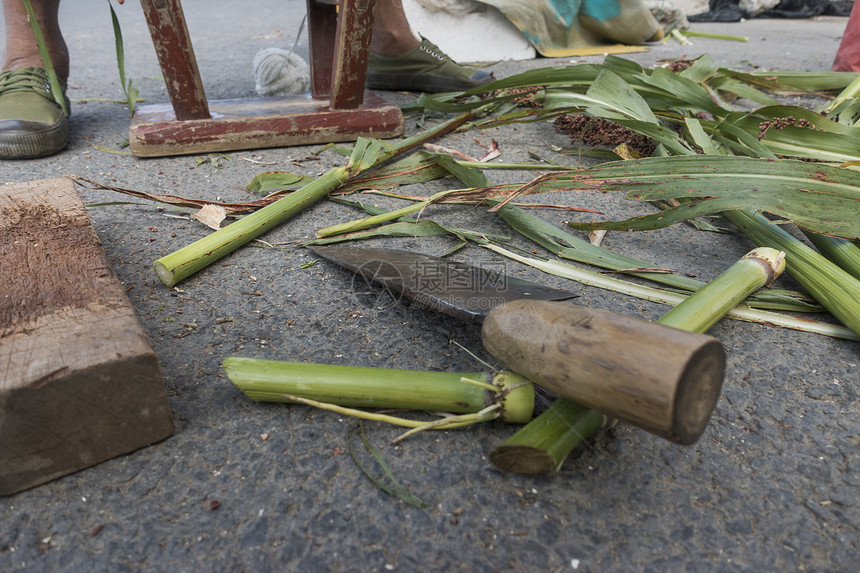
(542, 445)
(382, 388)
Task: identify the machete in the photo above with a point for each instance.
(658, 378)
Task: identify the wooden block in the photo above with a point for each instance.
(79, 380)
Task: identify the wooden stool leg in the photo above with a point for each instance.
(354, 31)
(322, 31)
(166, 22)
(339, 109)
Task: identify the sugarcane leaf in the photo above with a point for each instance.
(447, 105)
(821, 139)
(468, 175)
(847, 112)
(783, 82)
(424, 228)
(660, 133)
(365, 152)
(613, 96)
(621, 65)
(740, 141)
(703, 68)
(573, 248)
(701, 139)
(403, 227)
(276, 181)
(388, 483)
(741, 89)
(689, 94)
(816, 197)
(418, 167)
(815, 120)
(582, 74)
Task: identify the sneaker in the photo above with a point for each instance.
(32, 123)
(423, 68)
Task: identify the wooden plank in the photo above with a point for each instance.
(172, 43)
(256, 123)
(354, 30)
(79, 380)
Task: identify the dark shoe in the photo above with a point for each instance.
(32, 123)
(424, 68)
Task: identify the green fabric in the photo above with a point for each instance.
(423, 68)
(32, 123)
(25, 95)
(425, 58)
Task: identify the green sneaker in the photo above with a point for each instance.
(423, 68)
(32, 123)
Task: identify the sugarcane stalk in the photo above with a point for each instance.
(728, 37)
(850, 92)
(543, 444)
(367, 154)
(382, 388)
(756, 269)
(832, 287)
(373, 220)
(843, 252)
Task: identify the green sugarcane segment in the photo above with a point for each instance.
(181, 264)
(843, 252)
(388, 388)
(835, 289)
(373, 220)
(542, 445)
(366, 154)
(708, 305)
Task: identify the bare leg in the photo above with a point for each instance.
(20, 45)
(392, 35)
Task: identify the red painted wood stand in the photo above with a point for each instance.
(337, 109)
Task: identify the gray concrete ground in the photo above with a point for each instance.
(771, 486)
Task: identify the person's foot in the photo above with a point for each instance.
(32, 123)
(424, 68)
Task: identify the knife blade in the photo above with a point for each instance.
(460, 290)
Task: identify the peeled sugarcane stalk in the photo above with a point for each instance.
(476, 396)
(543, 444)
(181, 264)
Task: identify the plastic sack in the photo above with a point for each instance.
(558, 28)
(848, 56)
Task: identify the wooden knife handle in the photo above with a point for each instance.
(658, 378)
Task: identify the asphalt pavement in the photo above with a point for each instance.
(772, 485)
